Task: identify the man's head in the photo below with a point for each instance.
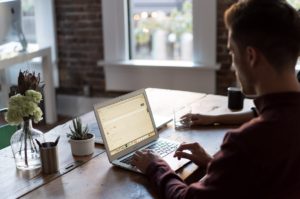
(268, 29)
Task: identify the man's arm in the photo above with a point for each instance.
(230, 118)
(226, 176)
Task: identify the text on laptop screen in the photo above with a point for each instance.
(126, 123)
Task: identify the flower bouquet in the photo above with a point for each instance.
(24, 107)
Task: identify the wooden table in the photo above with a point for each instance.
(93, 176)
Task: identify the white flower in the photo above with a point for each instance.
(34, 96)
(21, 106)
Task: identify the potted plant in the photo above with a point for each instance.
(82, 142)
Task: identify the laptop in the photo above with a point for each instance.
(126, 125)
(160, 122)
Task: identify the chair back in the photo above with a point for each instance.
(6, 132)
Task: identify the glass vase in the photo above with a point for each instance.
(24, 147)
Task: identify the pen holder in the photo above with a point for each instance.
(48, 152)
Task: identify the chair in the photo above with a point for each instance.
(6, 132)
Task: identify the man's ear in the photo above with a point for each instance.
(251, 56)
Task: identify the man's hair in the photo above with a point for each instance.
(271, 26)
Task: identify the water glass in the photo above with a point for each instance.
(181, 122)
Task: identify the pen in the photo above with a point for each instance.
(56, 141)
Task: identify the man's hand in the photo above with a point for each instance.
(142, 159)
(198, 155)
(198, 119)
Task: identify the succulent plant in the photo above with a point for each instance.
(79, 132)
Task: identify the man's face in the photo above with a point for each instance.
(241, 66)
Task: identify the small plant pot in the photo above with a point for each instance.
(83, 147)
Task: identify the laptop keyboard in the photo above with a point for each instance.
(160, 147)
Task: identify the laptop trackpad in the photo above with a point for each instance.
(174, 163)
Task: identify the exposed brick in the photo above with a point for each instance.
(225, 76)
(80, 44)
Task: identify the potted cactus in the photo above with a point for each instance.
(82, 142)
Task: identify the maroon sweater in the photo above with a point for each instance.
(261, 159)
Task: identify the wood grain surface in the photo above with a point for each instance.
(94, 176)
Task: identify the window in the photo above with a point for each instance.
(295, 4)
(123, 70)
(119, 47)
(161, 30)
(28, 21)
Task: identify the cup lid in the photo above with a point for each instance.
(234, 89)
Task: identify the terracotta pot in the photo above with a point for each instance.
(83, 147)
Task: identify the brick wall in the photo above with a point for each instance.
(80, 46)
(225, 76)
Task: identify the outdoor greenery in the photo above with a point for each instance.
(28, 7)
(295, 3)
(176, 22)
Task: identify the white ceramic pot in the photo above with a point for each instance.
(83, 147)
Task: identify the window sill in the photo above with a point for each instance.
(161, 64)
(133, 75)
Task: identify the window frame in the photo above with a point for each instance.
(125, 74)
(45, 26)
(116, 35)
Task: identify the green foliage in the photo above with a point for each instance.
(28, 7)
(78, 132)
(181, 21)
(176, 22)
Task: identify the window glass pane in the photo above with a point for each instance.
(295, 4)
(28, 21)
(161, 29)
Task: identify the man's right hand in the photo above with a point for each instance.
(197, 154)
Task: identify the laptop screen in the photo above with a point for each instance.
(126, 123)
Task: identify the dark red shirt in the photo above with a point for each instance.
(261, 159)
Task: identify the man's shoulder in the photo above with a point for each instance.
(251, 136)
(248, 130)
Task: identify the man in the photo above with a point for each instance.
(261, 159)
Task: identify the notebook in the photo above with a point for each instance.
(126, 125)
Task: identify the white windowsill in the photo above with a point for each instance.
(178, 75)
(160, 64)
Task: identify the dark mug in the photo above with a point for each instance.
(235, 98)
